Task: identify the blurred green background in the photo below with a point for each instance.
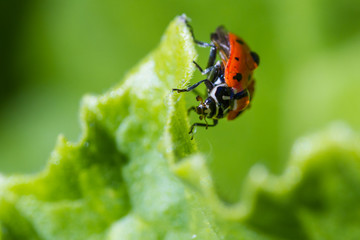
(53, 52)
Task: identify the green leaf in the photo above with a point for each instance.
(135, 173)
(119, 169)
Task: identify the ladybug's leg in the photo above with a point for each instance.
(211, 61)
(208, 84)
(199, 43)
(215, 122)
(212, 56)
(214, 72)
(198, 67)
(213, 51)
(203, 72)
(239, 95)
(211, 71)
(203, 44)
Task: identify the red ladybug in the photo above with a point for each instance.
(229, 82)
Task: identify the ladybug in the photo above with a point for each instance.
(229, 81)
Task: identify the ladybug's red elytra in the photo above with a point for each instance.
(229, 82)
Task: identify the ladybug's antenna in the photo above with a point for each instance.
(206, 123)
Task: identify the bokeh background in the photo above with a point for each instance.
(53, 52)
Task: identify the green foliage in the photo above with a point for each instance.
(135, 173)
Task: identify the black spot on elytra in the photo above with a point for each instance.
(237, 59)
(240, 41)
(238, 77)
(249, 77)
(255, 57)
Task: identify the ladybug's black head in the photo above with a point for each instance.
(201, 109)
(206, 109)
